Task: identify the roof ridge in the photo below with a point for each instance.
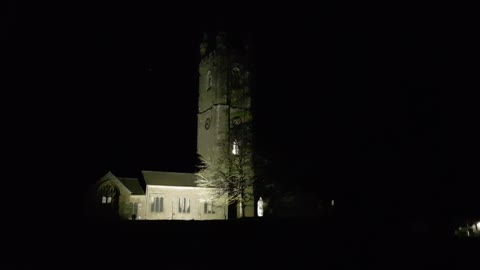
(167, 172)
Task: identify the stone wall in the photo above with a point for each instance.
(176, 199)
(124, 206)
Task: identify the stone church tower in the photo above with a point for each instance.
(224, 105)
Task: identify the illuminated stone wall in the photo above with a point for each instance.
(124, 209)
(220, 100)
(212, 133)
(176, 199)
(212, 106)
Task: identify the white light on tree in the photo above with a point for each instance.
(235, 150)
(332, 202)
(260, 207)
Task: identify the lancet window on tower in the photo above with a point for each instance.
(235, 81)
(209, 80)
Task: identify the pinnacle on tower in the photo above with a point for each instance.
(246, 41)
(204, 45)
(221, 40)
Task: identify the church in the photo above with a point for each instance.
(224, 115)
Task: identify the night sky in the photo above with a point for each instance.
(372, 110)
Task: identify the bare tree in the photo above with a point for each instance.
(230, 173)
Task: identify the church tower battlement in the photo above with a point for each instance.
(224, 103)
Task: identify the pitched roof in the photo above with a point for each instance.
(108, 175)
(133, 185)
(169, 178)
(111, 177)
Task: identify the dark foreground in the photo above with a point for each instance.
(240, 244)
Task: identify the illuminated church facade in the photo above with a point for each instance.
(167, 196)
(224, 115)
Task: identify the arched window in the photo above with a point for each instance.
(208, 207)
(107, 193)
(209, 80)
(183, 205)
(156, 203)
(235, 83)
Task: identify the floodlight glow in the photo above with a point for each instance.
(235, 148)
(260, 207)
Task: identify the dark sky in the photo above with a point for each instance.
(357, 106)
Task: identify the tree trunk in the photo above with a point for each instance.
(242, 205)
